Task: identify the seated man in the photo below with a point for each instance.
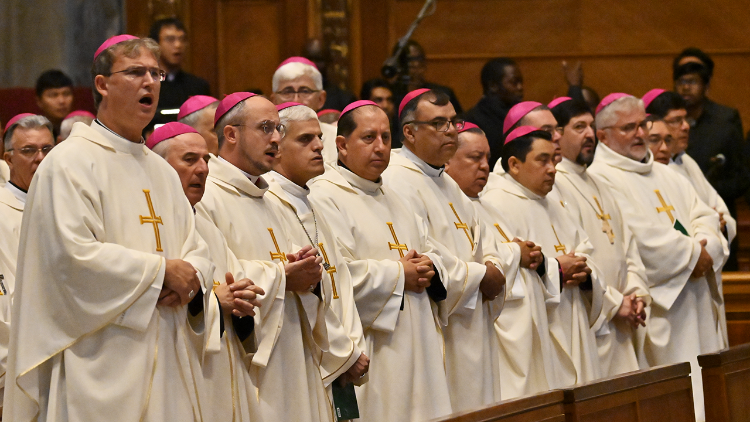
(198, 112)
(677, 235)
(298, 79)
(593, 206)
(231, 395)
(74, 117)
(527, 361)
(523, 197)
(381, 93)
(396, 273)
(54, 96)
(28, 139)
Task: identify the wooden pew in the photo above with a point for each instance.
(663, 394)
(547, 407)
(726, 384)
(737, 305)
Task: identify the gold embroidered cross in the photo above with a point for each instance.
(400, 246)
(664, 207)
(152, 219)
(502, 233)
(330, 269)
(462, 226)
(281, 256)
(606, 227)
(559, 247)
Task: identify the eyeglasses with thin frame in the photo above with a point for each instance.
(440, 125)
(29, 151)
(631, 128)
(139, 72)
(677, 121)
(303, 93)
(267, 126)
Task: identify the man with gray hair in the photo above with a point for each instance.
(677, 235)
(198, 112)
(300, 160)
(27, 141)
(298, 79)
(74, 117)
(110, 245)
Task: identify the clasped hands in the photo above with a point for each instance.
(633, 310)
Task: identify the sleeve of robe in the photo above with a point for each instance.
(271, 277)
(378, 285)
(65, 260)
(661, 246)
(712, 197)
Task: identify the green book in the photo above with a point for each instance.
(680, 228)
(344, 401)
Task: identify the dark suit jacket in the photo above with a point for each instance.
(489, 114)
(719, 131)
(185, 85)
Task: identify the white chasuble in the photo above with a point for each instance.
(284, 366)
(11, 214)
(686, 166)
(372, 228)
(668, 220)
(571, 315)
(4, 172)
(452, 220)
(88, 341)
(594, 207)
(231, 395)
(522, 327)
(342, 331)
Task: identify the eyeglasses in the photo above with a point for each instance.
(440, 125)
(631, 128)
(677, 121)
(658, 139)
(29, 151)
(551, 130)
(138, 72)
(303, 93)
(268, 127)
(581, 127)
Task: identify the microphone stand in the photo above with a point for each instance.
(392, 67)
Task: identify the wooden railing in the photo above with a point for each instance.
(726, 384)
(737, 300)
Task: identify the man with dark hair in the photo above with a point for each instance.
(170, 34)
(413, 61)
(395, 268)
(594, 208)
(54, 96)
(694, 55)
(381, 93)
(502, 87)
(716, 141)
(476, 294)
(525, 196)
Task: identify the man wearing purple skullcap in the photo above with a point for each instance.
(297, 79)
(198, 112)
(594, 207)
(677, 234)
(527, 364)
(475, 291)
(130, 271)
(67, 124)
(525, 197)
(287, 362)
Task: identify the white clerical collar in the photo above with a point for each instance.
(421, 164)
(567, 166)
(518, 189)
(252, 178)
(360, 183)
(297, 195)
(117, 141)
(614, 159)
(18, 193)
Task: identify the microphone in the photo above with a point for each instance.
(391, 66)
(718, 160)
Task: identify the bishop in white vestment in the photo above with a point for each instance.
(677, 235)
